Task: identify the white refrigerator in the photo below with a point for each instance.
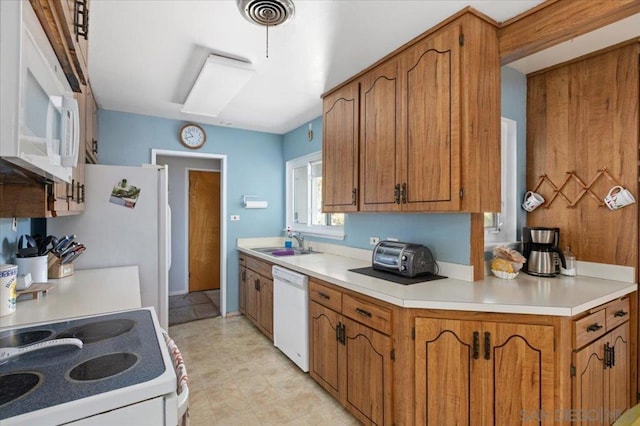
(125, 222)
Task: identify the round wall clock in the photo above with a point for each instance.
(192, 136)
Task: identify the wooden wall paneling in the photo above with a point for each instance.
(583, 117)
(556, 21)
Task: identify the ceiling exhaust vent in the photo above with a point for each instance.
(266, 13)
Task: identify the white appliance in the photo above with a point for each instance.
(40, 125)
(116, 235)
(123, 374)
(291, 315)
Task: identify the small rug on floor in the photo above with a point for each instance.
(193, 306)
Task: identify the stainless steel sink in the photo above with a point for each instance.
(284, 251)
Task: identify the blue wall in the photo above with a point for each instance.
(9, 239)
(514, 106)
(254, 167)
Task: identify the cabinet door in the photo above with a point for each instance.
(619, 385)
(380, 138)
(431, 165)
(368, 378)
(325, 366)
(590, 382)
(91, 121)
(242, 288)
(340, 150)
(446, 356)
(76, 202)
(265, 311)
(522, 372)
(253, 296)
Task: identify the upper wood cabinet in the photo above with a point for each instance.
(429, 125)
(340, 150)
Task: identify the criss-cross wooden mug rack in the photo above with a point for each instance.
(586, 188)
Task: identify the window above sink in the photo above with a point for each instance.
(304, 199)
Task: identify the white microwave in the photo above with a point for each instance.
(39, 116)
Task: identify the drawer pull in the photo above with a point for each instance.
(620, 313)
(323, 295)
(363, 312)
(593, 327)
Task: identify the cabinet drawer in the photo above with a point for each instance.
(589, 328)
(367, 313)
(263, 268)
(617, 313)
(325, 296)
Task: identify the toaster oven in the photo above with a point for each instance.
(405, 259)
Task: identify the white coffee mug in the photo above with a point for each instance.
(532, 200)
(618, 197)
(8, 275)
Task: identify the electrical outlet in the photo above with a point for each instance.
(14, 224)
(235, 217)
(374, 240)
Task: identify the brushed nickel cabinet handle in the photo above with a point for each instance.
(487, 345)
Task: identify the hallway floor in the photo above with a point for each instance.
(237, 377)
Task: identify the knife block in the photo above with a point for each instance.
(58, 270)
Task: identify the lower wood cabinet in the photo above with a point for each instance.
(350, 360)
(601, 369)
(480, 372)
(258, 294)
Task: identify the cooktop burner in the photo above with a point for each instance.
(103, 366)
(121, 350)
(25, 338)
(97, 331)
(15, 385)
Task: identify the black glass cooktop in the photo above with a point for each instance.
(119, 350)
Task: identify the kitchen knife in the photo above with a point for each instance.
(64, 243)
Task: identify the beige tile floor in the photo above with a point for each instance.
(237, 377)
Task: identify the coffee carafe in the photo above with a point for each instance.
(540, 248)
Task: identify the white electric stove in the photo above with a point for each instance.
(123, 373)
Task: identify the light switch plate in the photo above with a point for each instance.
(14, 224)
(235, 217)
(374, 240)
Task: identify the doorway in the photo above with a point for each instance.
(180, 163)
(204, 230)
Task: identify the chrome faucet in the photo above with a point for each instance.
(298, 237)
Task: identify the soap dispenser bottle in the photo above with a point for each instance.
(570, 260)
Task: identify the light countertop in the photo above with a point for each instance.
(559, 296)
(86, 292)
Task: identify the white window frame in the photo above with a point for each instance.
(505, 232)
(333, 232)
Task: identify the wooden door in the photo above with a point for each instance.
(368, 378)
(446, 357)
(265, 312)
(430, 163)
(76, 202)
(324, 353)
(590, 381)
(340, 150)
(520, 357)
(252, 296)
(619, 385)
(380, 138)
(204, 230)
(242, 287)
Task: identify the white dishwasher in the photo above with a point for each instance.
(291, 315)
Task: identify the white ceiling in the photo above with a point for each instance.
(144, 55)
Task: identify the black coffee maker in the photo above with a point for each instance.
(540, 248)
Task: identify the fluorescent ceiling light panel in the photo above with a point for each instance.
(219, 81)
